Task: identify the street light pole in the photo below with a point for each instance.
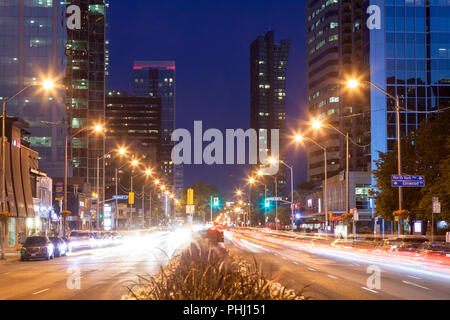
(97, 222)
(117, 202)
(353, 84)
(399, 157)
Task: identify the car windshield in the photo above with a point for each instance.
(36, 240)
(79, 234)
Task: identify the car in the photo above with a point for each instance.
(37, 247)
(215, 235)
(60, 246)
(68, 243)
(81, 240)
(116, 237)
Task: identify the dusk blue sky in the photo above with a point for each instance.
(210, 42)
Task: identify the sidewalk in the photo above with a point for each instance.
(11, 255)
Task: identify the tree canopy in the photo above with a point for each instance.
(426, 152)
(202, 200)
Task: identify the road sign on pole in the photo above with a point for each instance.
(274, 199)
(120, 197)
(407, 181)
(190, 196)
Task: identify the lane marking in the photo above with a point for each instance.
(329, 275)
(294, 262)
(311, 269)
(415, 284)
(41, 291)
(369, 290)
(415, 277)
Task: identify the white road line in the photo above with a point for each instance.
(311, 269)
(329, 275)
(41, 291)
(415, 277)
(294, 262)
(415, 284)
(369, 290)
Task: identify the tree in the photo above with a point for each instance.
(202, 200)
(424, 152)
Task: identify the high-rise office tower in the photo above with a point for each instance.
(85, 95)
(268, 68)
(32, 41)
(135, 124)
(401, 46)
(157, 79)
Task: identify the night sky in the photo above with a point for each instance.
(210, 42)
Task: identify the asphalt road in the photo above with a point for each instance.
(336, 272)
(97, 274)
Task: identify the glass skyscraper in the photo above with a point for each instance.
(157, 79)
(404, 50)
(410, 57)
(32, 34)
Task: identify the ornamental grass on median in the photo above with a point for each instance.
(204, 272)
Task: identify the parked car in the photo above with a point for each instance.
(68, 243)
(60, 246)
(82, 240)
(37, 247)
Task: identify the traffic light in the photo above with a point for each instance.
(216, 202)
(331, 215)
(267, 203)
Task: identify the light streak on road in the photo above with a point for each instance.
(407, 263)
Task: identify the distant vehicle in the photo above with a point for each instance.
(215, 234)
(59, 245)
(37, 248)
(411, 244)
(82, 240)
(116, 237)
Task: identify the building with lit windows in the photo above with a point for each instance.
(85, 94)
(157, 79)
(404, 50)
(32, 40)
(408, 55)
(268, 68)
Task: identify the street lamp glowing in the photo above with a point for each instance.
(239, 192)
(148, 172)
(316, 124)
(122, 151)
(48, 84)
(260, 173)
(98, 128)
(134, 163)
(272, 160)
(157, 182)
(163, 188)
(353, 83)
(298, 138)
(251, 180)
